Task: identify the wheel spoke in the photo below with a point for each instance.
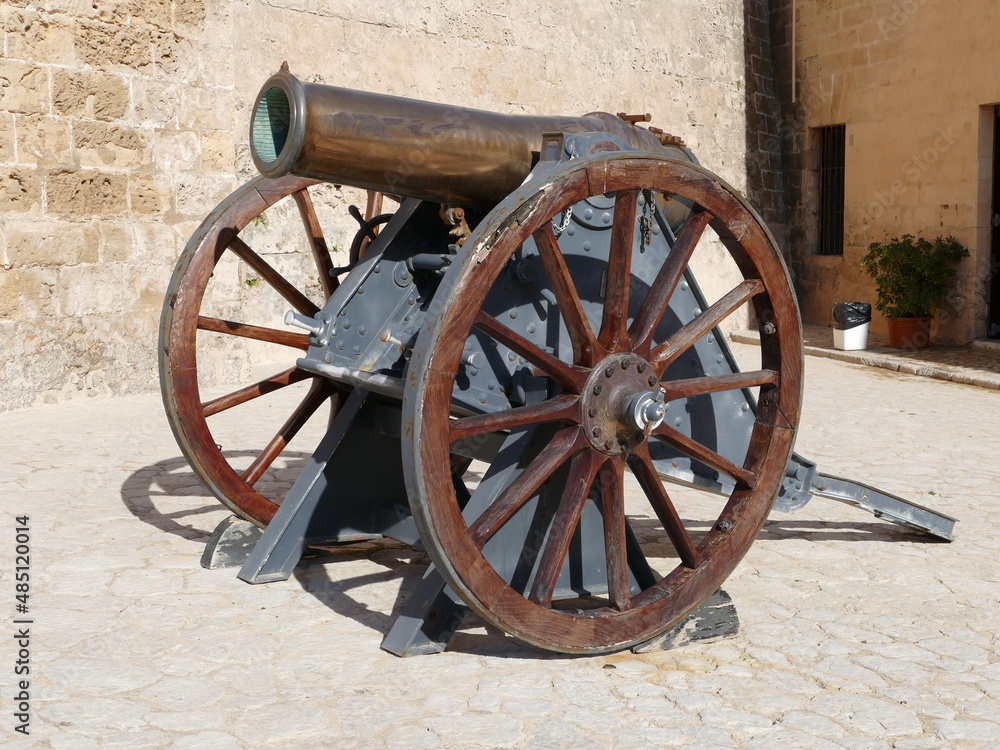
(706, 455)
(561, 408)
(585, 347)
(258, 389)
(712, 383)
(619, 279)
(645, 472)
(313, 400)
(582, 471)
(612, 478)
(284, 287)
(677, 344)
(663, 287)
(258, 333)
(568, 376)
(320, 251)
(565, 443)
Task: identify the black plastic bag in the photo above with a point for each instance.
(847, 315)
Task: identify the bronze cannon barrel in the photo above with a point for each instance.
(409, 147)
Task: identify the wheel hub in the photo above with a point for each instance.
(621, 404)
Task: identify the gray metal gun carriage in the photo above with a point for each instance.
(522, 373)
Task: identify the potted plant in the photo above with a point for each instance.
(912, 275)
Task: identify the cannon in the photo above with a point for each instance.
(516, 370)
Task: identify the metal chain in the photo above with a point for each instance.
(567, 215)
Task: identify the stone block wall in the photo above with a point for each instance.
(911, 81)
(123, 122)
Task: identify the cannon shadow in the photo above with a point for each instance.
(169, 496)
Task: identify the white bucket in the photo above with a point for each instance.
(852, 339)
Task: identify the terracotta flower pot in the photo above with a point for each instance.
(910, 333)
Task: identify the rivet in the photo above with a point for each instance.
(482, 398)
(362, 330)
(531, 328)
(346, 324)
(513, 314)
(597, 389)
(606, 217)
(361, 290)
(492, 385)
(377, 269)
(652, 380)
(357, 350)
(592, 412)
(587, 246)
(609, 372)
(641, 367)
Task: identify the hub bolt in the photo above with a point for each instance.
(609, 372)
(597, 389)
(609, 444)
(625, 364)
(592, 412)
(597, 432)
(652, 380)
(641, 367)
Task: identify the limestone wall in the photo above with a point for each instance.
(123, 123)
(913, 80)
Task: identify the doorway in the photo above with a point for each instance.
(993, 324)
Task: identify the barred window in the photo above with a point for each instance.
(831, 190)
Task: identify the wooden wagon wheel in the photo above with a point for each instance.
(186, 320)
(598, 433)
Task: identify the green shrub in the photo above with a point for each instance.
(912, 274)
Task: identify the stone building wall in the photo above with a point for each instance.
(914, 83)
(123, 123)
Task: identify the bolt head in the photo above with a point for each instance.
(592, 412)
(652, 380)
(626, 364)
(609, 372)
(597, 389)
(641, 367)
(609, 444)
(597, 432)
(770, 328)
(724, 526)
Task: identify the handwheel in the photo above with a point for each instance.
(608, 387)
(208, 304)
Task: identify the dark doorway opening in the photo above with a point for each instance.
(993, 324)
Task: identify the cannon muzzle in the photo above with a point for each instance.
(417, 149)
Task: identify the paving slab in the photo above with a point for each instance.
(854, 633)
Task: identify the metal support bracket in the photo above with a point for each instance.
(884, 505)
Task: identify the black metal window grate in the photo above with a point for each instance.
(831, 190)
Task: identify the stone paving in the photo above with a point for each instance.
(977, 363)
(855, 633)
